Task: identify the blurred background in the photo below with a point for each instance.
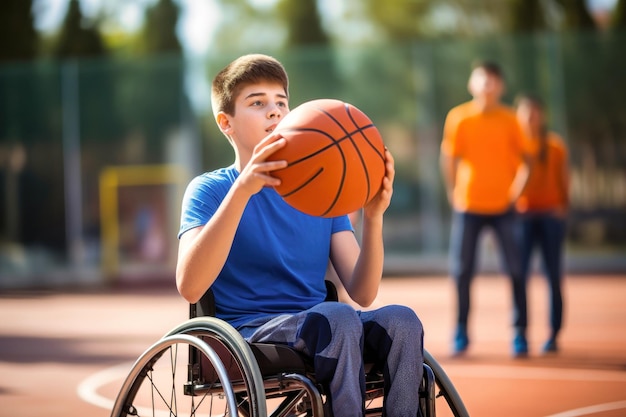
(105, 116)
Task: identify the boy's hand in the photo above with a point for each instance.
(256, 174)
(381, 201)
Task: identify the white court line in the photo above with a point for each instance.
(87, 390)
(618, 405)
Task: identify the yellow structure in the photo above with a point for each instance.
(111, 179)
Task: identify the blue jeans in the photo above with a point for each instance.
(466, 230)
(337, 336)
(548, 233)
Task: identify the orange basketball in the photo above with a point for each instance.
(335, 155)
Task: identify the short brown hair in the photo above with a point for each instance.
(490, 67)
(243, 71)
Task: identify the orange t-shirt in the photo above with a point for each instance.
(489, 147)
(546, 189)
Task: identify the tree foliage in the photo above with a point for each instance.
(79, 37)
(619, 15)
(303, 22)
(18, 38)
(159, 31)
(527, 16)
(401, 19)
(414, 19)
(576, 15)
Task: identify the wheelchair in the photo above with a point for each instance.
(204, 367)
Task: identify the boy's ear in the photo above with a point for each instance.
(223, 122)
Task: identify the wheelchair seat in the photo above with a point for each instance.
(276, 358)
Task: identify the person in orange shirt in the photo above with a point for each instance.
(543, 205)
(484, 163)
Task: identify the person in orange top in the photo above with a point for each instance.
(485, 167)
(543, 205)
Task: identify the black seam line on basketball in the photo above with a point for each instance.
(304, 184)
(358, 151)
(359, 129)
(348, 135)
(334, 141)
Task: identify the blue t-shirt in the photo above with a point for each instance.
(279, 256)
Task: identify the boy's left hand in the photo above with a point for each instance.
(381, 201)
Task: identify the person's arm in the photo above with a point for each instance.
(520, 180)
(527, 155)
(564, 182)
(360, 269)
(448, 160)
(448, 165)
(202, 251)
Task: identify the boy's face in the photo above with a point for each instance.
(484, 85)
(258, 109)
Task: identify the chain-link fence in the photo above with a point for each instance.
(83, 138)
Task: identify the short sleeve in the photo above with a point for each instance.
(201, 200)
(450, 145)
(341, 224)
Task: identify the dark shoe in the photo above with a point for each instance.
(520, 346)
(461, 341)
(550, 347)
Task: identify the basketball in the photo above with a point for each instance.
(335, 156)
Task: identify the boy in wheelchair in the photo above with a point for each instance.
(265, 262)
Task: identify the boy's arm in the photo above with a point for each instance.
(202, 251)
(360, 269)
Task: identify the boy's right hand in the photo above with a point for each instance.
(256, 173)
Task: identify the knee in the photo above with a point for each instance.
(337, 320)
(343, 318)
(405, 323)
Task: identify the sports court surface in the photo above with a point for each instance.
(65, 353)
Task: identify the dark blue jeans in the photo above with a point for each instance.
(547, 232)
(466, 230)
(335, 336)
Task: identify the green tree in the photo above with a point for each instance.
(576, 15)
(247, 27)
(78, 37)
(151, 89)
(303, 22)
(310, 55)
(407, 20)
(159, 31)
(527, 16)
(18, 38)
(18, 42)
(618, 20)
(400, 19)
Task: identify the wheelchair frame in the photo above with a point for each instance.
(222, 368)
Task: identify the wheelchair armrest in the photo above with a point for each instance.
(204, 307)
(331, 291)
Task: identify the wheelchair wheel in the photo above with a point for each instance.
(155, 384)
(445, 390)
(186, 375)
